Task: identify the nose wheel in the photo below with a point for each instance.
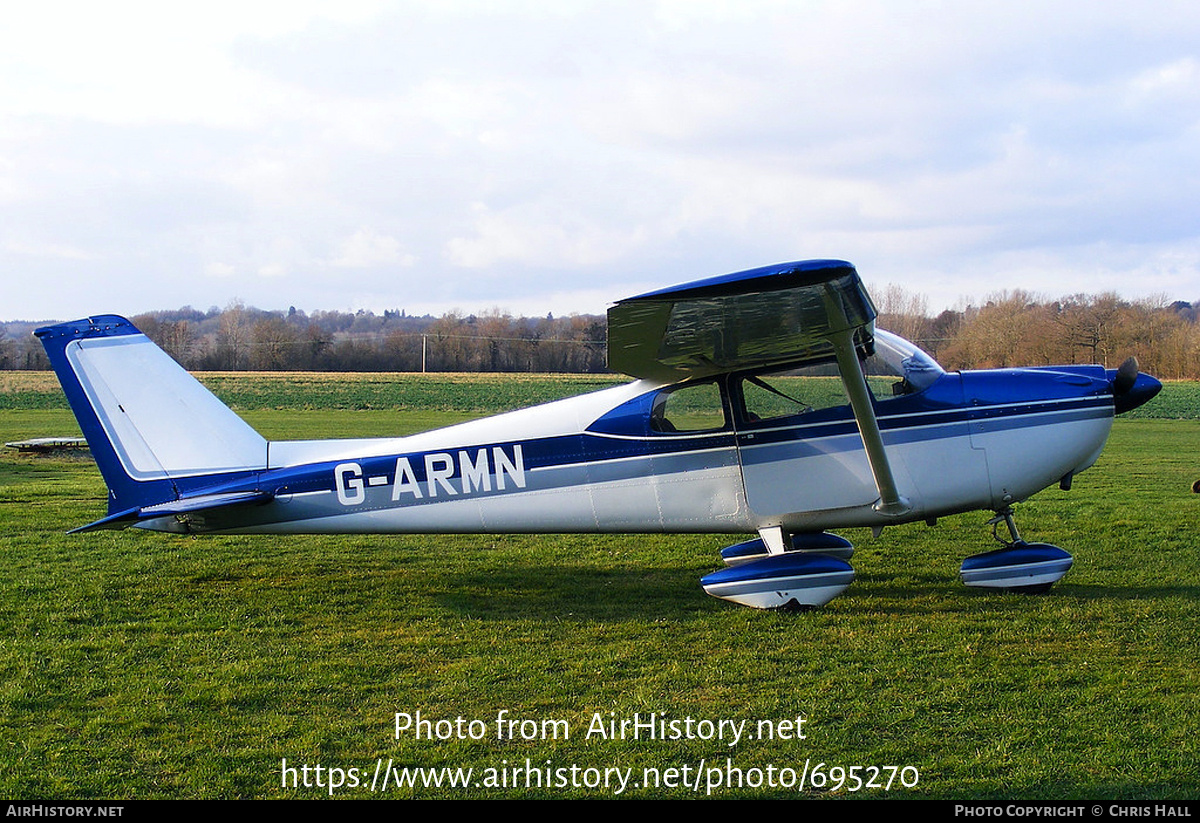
(1028, 568)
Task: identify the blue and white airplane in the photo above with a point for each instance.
(714, 435)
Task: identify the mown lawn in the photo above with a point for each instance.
(139, 665)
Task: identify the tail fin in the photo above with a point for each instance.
(154, 430)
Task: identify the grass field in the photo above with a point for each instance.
(140, 665)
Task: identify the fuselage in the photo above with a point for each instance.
(610, 462)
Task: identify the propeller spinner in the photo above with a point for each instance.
(1131, 388)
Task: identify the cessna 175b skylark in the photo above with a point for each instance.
(714, 435)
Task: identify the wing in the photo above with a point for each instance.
(777, 315)
(788, 314)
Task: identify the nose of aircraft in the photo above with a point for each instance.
(1132, 388)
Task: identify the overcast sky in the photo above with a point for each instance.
(555, 156)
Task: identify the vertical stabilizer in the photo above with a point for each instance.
(154, 430)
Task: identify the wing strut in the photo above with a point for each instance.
(890, 502)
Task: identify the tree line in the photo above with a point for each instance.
(1010, 328)
(239, 338)
(1017, 328)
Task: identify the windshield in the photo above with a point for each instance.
(905, 360)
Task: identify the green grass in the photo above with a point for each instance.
(140, 665)
(468, 393)
(478, 393)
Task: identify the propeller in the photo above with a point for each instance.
(1131, 388)
(1126, 376)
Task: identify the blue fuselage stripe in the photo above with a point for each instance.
(570, 460)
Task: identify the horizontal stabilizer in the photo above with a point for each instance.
(183, 506)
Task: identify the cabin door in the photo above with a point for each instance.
(799, 446)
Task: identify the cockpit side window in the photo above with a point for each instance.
(780, 395)
(693, 408)
(776, 396)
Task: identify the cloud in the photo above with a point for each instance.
(539, 235)
(475, 153)
(366, 249)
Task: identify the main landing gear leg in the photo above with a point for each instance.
(1029, 568)
(1005, 516)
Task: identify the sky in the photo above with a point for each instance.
(556, 156)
